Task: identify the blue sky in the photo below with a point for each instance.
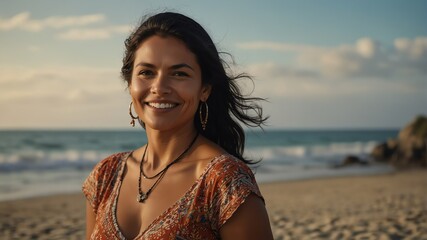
(321, 64)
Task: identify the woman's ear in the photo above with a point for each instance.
(206, 92)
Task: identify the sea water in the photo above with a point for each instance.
(36, 162)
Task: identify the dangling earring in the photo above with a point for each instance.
(132, 122)
(204, 121)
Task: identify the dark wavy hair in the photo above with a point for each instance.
(227, 104)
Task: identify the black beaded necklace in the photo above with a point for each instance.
(143, 196)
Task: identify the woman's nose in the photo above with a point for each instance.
(160, 85)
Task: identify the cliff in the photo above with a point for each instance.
(410, 147)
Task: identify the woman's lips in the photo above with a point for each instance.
(161, 105)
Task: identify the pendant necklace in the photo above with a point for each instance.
(141, 197)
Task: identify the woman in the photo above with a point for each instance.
(190, 181)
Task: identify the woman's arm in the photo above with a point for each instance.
(90, 220)
(250, 221)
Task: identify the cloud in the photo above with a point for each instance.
(305, 99)
(414, 49)
(366, 58)
(412, 54)
(93, 33)
(58, 97)
(70, 27)
(24, 22)
(54, 85)
(367, 47)
(275, 80)
(276, 46)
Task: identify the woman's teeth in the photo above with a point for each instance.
(162, 105)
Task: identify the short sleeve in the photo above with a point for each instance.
(232, 181)
(101, 180)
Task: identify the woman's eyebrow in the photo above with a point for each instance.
(144, 64)
(181, 65)
(173, 67)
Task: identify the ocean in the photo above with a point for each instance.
(36, 162)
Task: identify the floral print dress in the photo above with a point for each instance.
(224, 185)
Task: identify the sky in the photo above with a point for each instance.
(320, 64)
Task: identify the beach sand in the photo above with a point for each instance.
(388, 206)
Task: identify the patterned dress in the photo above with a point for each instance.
(224, 185)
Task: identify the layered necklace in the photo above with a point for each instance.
(143, 196)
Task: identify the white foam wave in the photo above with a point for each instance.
(36, 159)
(312, 153)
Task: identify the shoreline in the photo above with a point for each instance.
(382, 206)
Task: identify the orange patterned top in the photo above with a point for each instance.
(224, 185)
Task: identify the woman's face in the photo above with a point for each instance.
(166, 84)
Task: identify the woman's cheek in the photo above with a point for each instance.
(136, 88)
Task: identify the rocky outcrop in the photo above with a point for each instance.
(410, 147)
(351, 160)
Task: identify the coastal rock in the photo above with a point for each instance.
(384, 151)
(352, 160)
(410, 147)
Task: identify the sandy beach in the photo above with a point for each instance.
(388, 206)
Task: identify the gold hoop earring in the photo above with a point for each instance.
(204, 121)
(132, 122)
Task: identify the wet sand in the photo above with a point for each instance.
(389, 206)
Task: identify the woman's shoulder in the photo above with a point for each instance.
(226, 166)
(228, 161)
(229, 181)
(101, 180)
(110, 163)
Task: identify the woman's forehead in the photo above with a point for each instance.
(159, 49)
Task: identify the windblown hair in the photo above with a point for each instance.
(227, 104)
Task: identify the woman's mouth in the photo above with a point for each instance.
(161, 105)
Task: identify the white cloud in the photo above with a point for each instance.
(70, 27)
(16, 21)
(93, 33)
(412, 54)
(303, 99)
(24, 22)
(278, 80)
(367, 47)
(58, 84)
(61, 22)
(272, 79)
(415, 49)
(62, 97)
(277, 46)
(364, 59)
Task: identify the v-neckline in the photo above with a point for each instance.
(165, 212)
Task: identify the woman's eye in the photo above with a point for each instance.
(146, 73)
(181, 74)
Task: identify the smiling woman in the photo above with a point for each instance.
(190, 180)
(166, 84)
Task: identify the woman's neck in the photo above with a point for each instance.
(165, 146)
